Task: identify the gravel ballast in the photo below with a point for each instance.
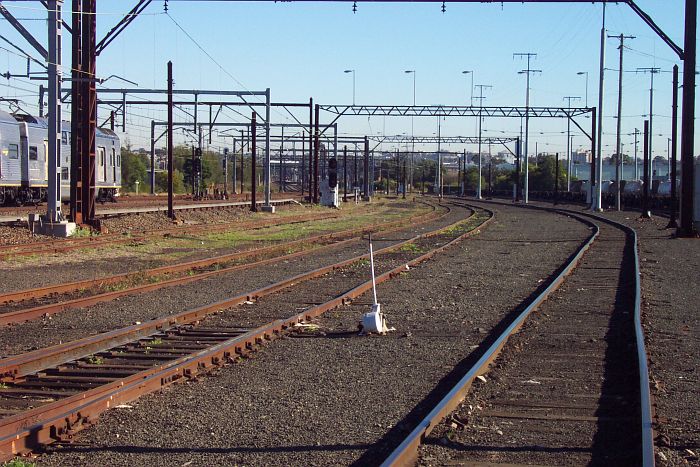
(74, 324)
(331, 397)
(30, 272)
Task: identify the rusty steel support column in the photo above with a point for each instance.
(647, 179)
(345, 173)
(365, 182)
(153, 157)
(253, 162)
(317, 147)
(311, 149)
(303, 163)
(517, 170)
(556, 180)
(77, 105)
(687, 228)
(672, 223)
(171, 211)
(88, 112)
(594, 136)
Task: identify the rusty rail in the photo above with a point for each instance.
(19, 316)
(63, 418)
(189, 265)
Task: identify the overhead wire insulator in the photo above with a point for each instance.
(444, 9)
(354, 7)
(165, 6)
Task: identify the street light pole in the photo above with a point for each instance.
(471, 98)
(585, 73)
(568, 143)
(527, 72)
(353, 84)
(481, 106)
(413, 144)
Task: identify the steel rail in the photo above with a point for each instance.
(407, 452)
(19, 316)
(175, 268)
(646, 410)
(26, 363)
(62, 419)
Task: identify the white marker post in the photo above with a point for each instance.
(374, 320)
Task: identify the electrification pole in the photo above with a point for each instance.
(481, 106)
(618, 147)
(568, 142)
(597, 195)
(527, 72)
(652, 72)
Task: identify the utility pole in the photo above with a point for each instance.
(171, 212)
(652, 72)
(528, 72)
(618, 150)
(53, 210)
(481, 106)
(672, 223)
(568, 142)
(689, 197)
(597, 195)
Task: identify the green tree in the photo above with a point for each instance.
(542, 176)
(162, 182)
(134, 167)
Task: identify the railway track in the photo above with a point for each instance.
(95, 291)
(50, 394)
(62, 246)
(571, 386)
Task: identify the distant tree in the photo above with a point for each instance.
(134, 167)
(162, 182)
(542, 176)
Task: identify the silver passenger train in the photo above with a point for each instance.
(24, 160)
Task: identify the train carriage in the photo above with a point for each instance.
(24, 160)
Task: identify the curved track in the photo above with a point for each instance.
(573, 389)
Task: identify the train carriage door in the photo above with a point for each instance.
(113, 160)
(101, 165)
(23, 152)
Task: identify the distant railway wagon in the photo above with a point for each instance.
(24, 160)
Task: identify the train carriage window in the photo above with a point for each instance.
(14, 151)
(33, 153)
(64, 173)
(101, 152)
(64, 137)
(119, 160)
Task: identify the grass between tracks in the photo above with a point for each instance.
(167, 251)
(180, 246)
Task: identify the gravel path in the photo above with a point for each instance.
(74, 324)
(332, 397)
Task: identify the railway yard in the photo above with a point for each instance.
(525, 313)
(355, 233)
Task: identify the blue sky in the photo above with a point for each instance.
(300, 50)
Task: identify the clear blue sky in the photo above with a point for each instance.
(300, 50)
